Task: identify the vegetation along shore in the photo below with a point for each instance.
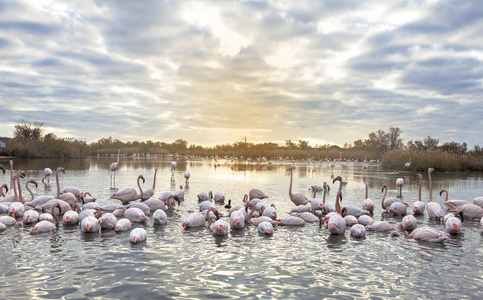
(29, 141)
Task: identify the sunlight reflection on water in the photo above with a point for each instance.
(296, 262)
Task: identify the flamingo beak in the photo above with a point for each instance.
(236, 222)
(88, 226)
(409, 223)
(219, 227)
(268, 230)
(134, 239)
(67, 218)
(455, 226)
(117, 228)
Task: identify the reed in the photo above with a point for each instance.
(435, 158)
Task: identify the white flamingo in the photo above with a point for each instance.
(137, 235)
(368, 204)
(265, 228)
(428, 234)
(114, 167)
(42, 227)
(47, 174)
(385, 203)
(123, 225)
(419, 206)
(399, 184)
(408, 164)
(90, 224)
(297, 199)
(452, 203)
(160, 217)
(434, 209)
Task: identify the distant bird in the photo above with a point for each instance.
(47, 172)
(173, 166)
(407, 164)
(115, 166)
(343, 165)
(187, 176)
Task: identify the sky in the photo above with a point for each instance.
(212, 72)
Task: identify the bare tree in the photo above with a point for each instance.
(29, 130)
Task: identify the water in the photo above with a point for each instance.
(295, 263)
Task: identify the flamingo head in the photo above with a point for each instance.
(88, 226)
(184, 224)
(113, 195)
(133, 240)
(219, 227)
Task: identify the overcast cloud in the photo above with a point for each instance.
(211, 72)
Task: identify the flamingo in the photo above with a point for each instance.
(265, 228)
(42, 227)
(129, 194)
(336, 222)
(137, 235)
(148, 193)
(408, 164)
(350, 220)
(358, 230)
(343, 165)
(468, 211)
(452, 203)
(30, 216)
(478, 201)
(368, 204)
(297, 199)
(187, 177)
(398, 208)
(380, 226)
(90, 224)
(4, 186)
(387, 202)
(114, 167)
(154, 204)
(291, 221)
(409, 223)
(365, 220)
(108, 221)
(399, 184)
(220, 227)
(204, 196)
(141, 205)
(419, 206)
(135, 214)
(428, 234)
(70, 218)
(123, 225)
(256, 193)
(195, 220)
(47, 173)
(453, 225)
(160, 217)
(173, 166)
(434, 208)
(219, 197)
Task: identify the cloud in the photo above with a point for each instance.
(210, 72)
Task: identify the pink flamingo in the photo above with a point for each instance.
(90, 224)
(387, 202)
(123, 225)
(419, 206)
(47, 173)
(265, 228)
(368, 204)
(149, 192)
(434, 209)
(256, 193)
(129, 194)
(114, 167)
(297, 199)
(428, 234)
(452, 203)
(138, 235)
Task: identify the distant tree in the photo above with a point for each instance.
(290, 144)
(453, 147)
(304, 145)
(430, 143)
(29, 130)
(394, 140)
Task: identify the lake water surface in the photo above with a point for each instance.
(295, 263)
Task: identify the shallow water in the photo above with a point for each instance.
(295, 263)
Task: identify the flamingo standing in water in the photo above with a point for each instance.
(452, 203)
(256, 193)
(385, 203)
(368, 204)
(47, 173)
(149, 192)
(419, 206)
(343, 165)
(187, 177)
(114, 167)
(399, 184)
(297, 199)
(408, 164)
(434, 209)
(129, 194)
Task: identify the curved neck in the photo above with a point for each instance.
(58, 184)
(54, 214)
(154, 181)
(420, 184)
(315, 191)
(445, 191)
(19, 190)
(430, 187)
(384, 189)
(139, 185)
(118, 152)
(30, 191)
(15, 197)
(290, 185)
(11, 175)
(366, 191)
(325, 192)
(337, 204)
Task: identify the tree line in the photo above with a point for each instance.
(29, 141)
